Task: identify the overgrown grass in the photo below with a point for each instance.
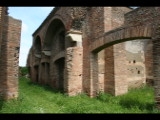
(35, 98)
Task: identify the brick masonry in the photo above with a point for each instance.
(10, 29)
(93, 49)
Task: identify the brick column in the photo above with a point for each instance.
(10, 58)
(73, 70)
(156, 66)
(1, 22)
(86, 67)
(94, 88)
(120, 71)
(109, 71)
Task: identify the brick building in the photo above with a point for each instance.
(92, 49)
(10, 31)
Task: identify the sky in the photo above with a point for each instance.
(31, 18)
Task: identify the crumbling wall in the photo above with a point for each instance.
(56, 34)
(9, 59)
(60, 32)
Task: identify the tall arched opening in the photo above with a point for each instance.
(36, 57)
(54, 45)
(122, 49)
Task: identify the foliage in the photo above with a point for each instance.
(23, 71)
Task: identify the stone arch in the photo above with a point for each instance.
(111, 38)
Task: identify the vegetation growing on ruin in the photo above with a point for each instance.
(35, 98)
(23, 71)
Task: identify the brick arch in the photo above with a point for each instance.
(37, 44)
(110, 38)
(53, 27)
(59, 64)
(120, 35)
(67, 25)
(56, 16)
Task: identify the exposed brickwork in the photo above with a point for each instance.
(149, 16)
(109, 70)
(73, 80)
(9, 59)
(118, 46)
(149, 62)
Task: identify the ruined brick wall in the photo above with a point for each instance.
(0, 27)
(113, 18)
(142, 15)
(73, 67)
(109, 28)
(9, 59)
(136, 76)
(93, 28)
(119, 79)
(2, 15)
(60, 40)
(149, 16)
(98, 21)
(116, 58)
(148, 19)
(71, 17)
(149, 62)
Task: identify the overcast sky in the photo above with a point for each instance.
(31, 18)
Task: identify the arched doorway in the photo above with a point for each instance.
(54, 44)
(60, 65)
(36, 58)
(37, 45)
(117, 72)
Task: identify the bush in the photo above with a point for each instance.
(104, 97)
(23, 71)
(138, 98)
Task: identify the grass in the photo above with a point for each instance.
(34, 98)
